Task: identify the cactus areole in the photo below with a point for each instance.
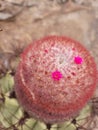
(55, 78)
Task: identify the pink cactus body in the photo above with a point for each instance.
(55, 78)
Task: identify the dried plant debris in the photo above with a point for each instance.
(9, 59)
(94, 106)
(9, 9)
(7, 64)
(17, 48)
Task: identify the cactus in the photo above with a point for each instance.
(55, 79)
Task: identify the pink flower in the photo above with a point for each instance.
(78, 60)
(56, 75)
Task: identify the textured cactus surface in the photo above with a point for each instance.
(55, 78)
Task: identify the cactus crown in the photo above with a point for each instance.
(55, 78)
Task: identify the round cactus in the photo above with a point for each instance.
(55, 78)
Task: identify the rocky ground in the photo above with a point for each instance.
(24, 21)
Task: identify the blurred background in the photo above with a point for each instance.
(22, 22)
